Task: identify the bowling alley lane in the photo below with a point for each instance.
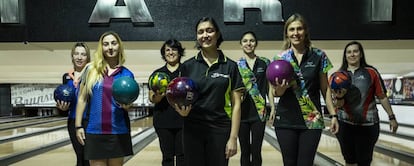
(30, 128)
(151, 156)
(29, 143)
(30, 122)
(329, 146)
(66, 156)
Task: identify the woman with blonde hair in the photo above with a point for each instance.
(298, 119)
(106, 136)
(80, 56)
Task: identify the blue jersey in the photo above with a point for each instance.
(68, 80)
(105, 115)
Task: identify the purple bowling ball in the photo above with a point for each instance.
(280, 69)
(181, 91)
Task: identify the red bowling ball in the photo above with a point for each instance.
(339, 80)
(181, 91)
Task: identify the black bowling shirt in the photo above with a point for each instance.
(248, 107)
(214, 85)
(288, 111)
(165, 115)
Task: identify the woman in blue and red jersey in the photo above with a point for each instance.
(106, 136)
(357, 108)
(80, 56)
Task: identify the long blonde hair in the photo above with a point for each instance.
(96, 69)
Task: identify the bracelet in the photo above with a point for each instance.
(333, 116)
(339, 98)
(78, 127)
(391, 117)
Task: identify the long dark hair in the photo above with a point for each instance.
(362, 62)
(249, 32)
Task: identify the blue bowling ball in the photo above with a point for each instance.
(64, 93)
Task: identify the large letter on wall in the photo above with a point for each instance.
(9, 11)
(381, 10)
(106, 9)
(234, 10)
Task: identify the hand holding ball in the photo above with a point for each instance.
(181, 91)
(279, 69)
(125, 90)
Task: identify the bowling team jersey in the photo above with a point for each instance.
(214, 85)
(248, 107)
(289, 112)
(360, 107)
(68, 79)
(165, 115)
(105, 115)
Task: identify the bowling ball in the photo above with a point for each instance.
(158, 81)
(64, 92)
(339, 80)
(280, 69)
(125, 90)
(181, 91)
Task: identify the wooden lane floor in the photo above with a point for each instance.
(31, 128)
(32, 123)
(329, 146)
(61, 156)
(64, 156)
(25, 144)
(151, 154)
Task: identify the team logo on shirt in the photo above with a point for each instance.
(260, 69)
(310, 64)
(216, 75)
(361, 77)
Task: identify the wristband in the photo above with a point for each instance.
(391, 117)
(79, 127)
(333, 116)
